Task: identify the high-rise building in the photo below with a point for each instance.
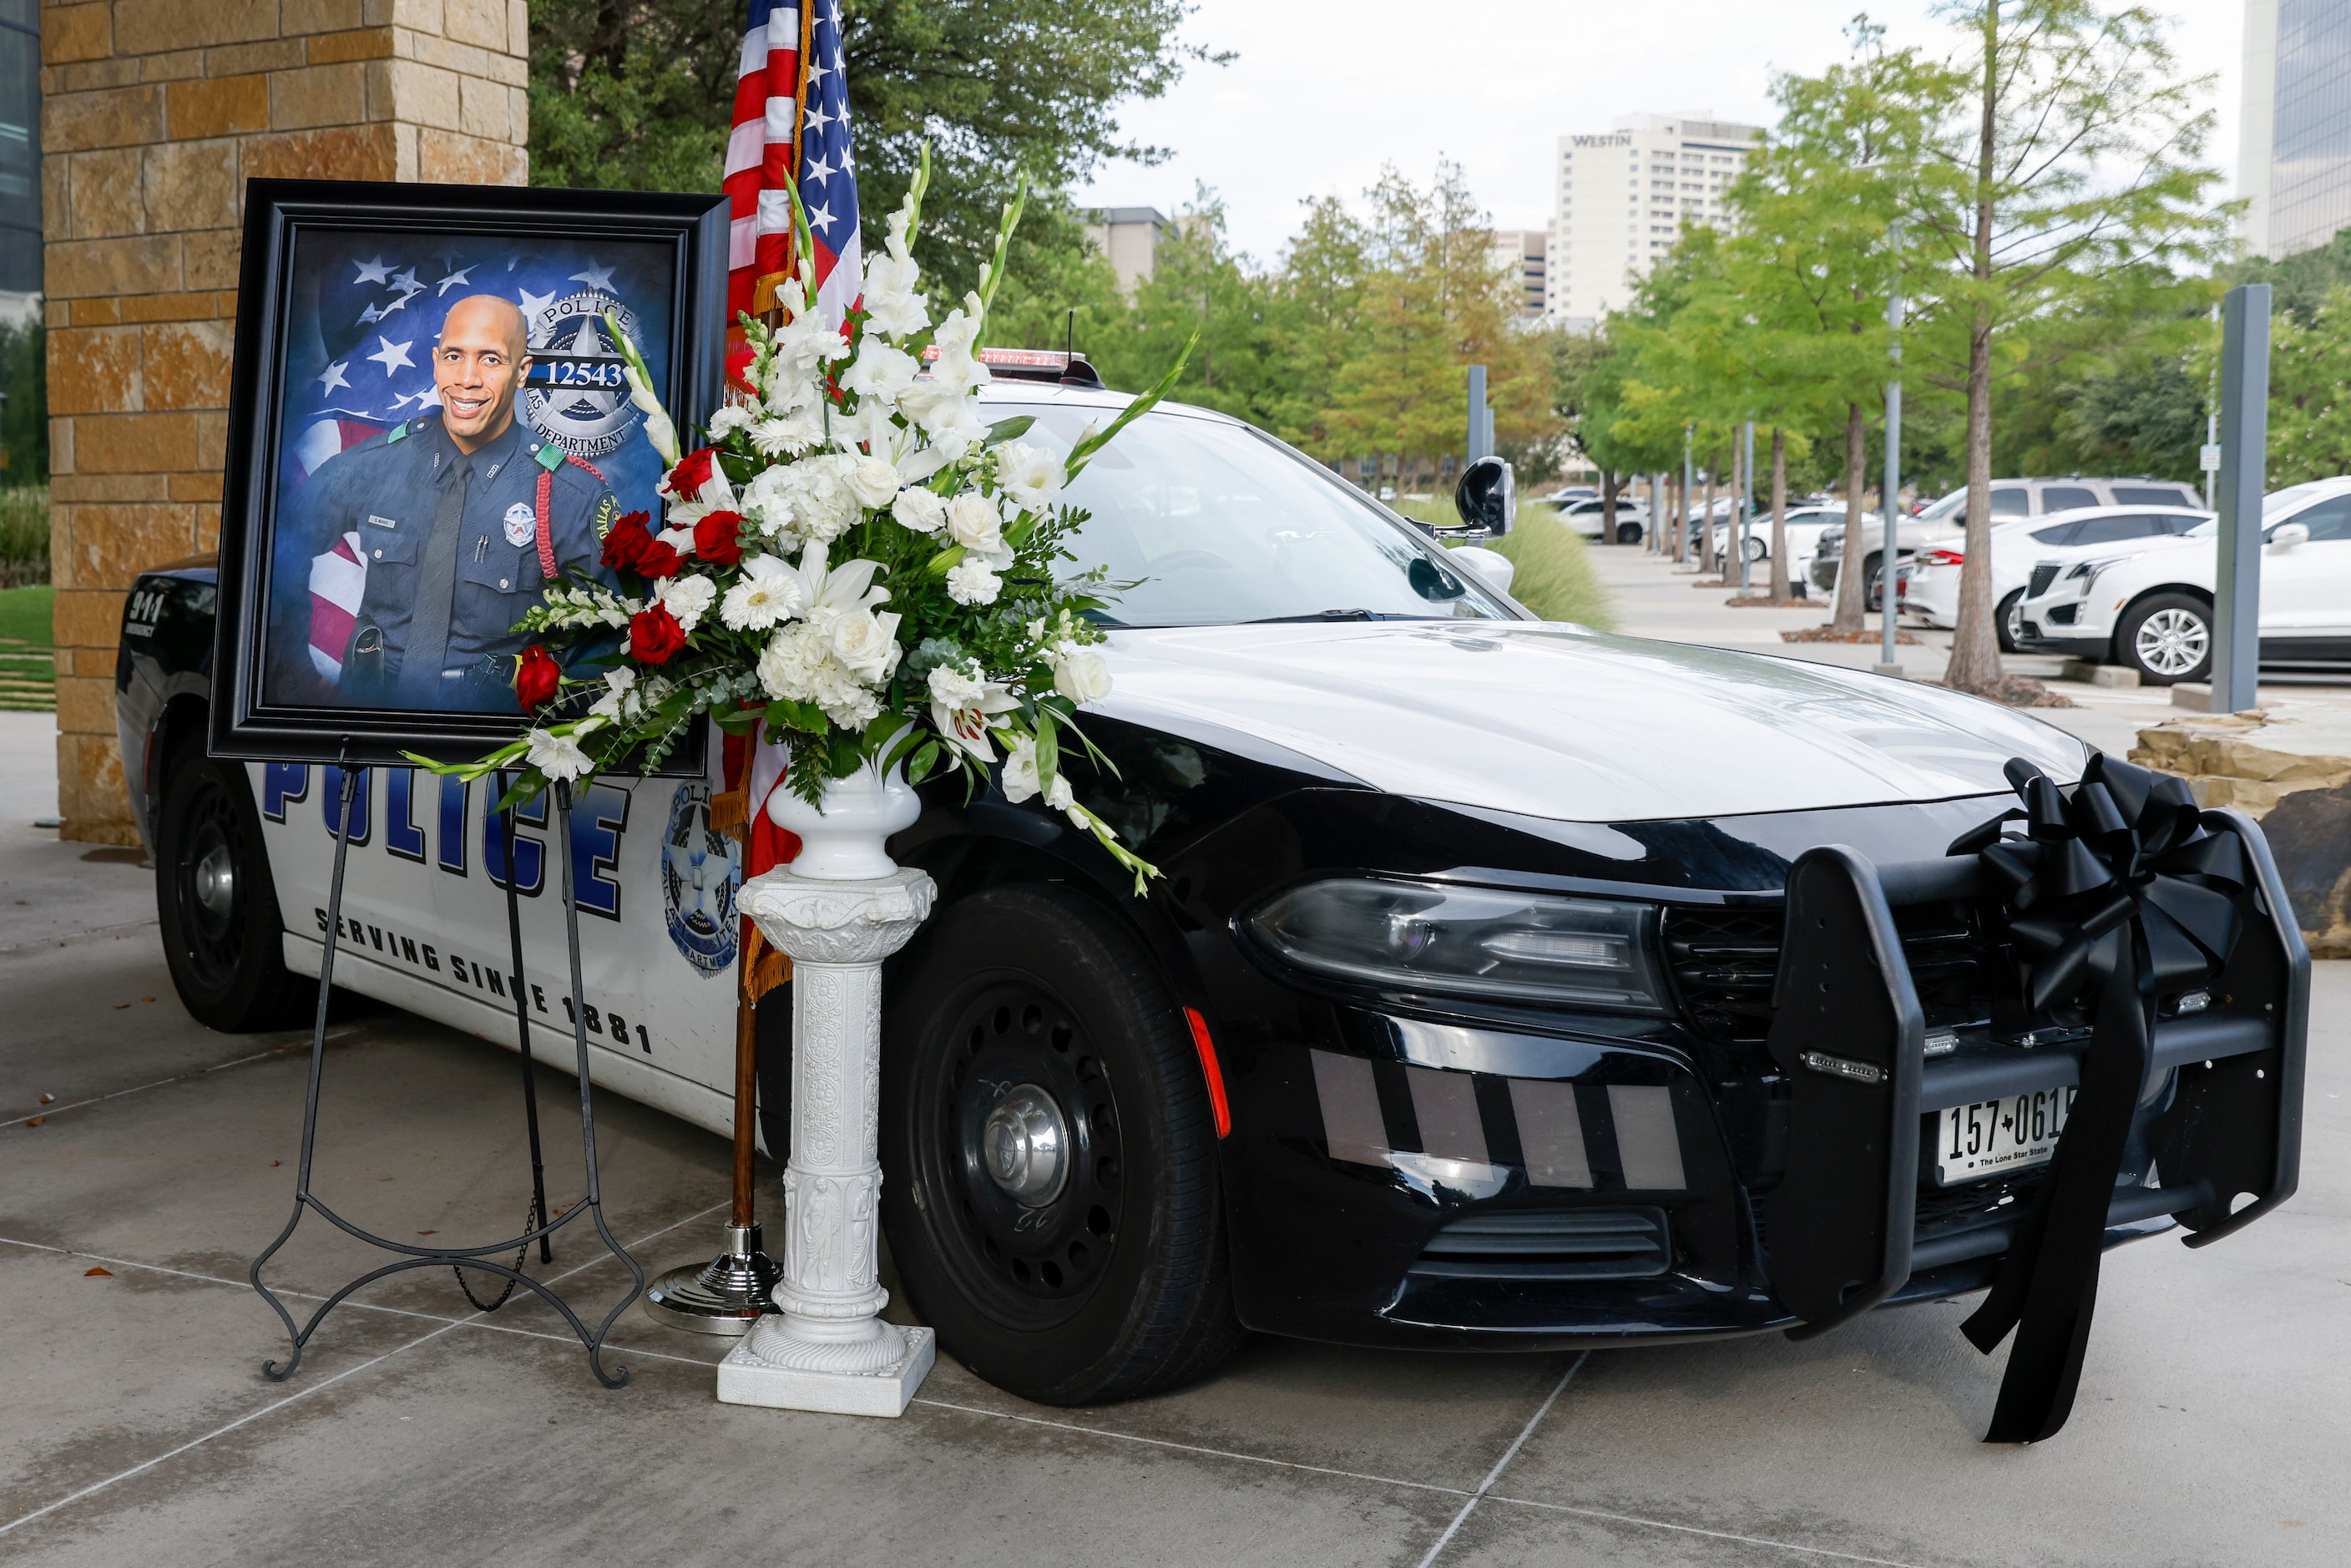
(1129, 236)
(1624, 195)
(2294, 165)
(1520, 256)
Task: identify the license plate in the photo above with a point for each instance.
(1995, 1135)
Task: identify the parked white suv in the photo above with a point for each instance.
(2149, 608)
(2010, 500)
(2031, 553)
(1589, 516)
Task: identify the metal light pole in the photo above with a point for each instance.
(2245, 460)
(1890, 548)
(1481, 434)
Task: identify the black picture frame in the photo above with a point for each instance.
(278, 214)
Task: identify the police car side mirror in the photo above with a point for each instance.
(2285, 536)
(1484, 498)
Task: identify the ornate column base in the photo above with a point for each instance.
(876, 1375)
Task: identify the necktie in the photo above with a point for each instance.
(437, 585)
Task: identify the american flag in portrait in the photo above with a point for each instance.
(792, 125)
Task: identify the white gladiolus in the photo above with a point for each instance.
(686, 596)
(920, 510)
(1032, 475)
(557, 755)
(1020, 782)
(880, 372)
(659, 430)
(768, 592)
(973, 523)
(1082, 677)
(972, 581)
(619, 699)
(893, 308)
(873, 481)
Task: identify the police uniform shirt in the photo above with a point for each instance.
(389, 490)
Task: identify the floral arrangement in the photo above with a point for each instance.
(855, 563)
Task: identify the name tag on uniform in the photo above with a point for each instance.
(521, 523)
(382, 522)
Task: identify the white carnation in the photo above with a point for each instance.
(954, 689)
(972, 581)
(730, 417)
(687, 596)
(973, 523)
(920, 510)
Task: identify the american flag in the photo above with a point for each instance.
(791, 123)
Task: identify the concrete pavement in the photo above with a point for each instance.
(2211, 1427)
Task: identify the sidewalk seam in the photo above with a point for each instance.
(1503, 1463)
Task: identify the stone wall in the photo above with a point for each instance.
(154, 114)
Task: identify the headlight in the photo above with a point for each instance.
(2088, 572)
(1472, 941)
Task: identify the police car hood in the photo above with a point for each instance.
(1559, 722)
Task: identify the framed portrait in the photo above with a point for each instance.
(429, 426)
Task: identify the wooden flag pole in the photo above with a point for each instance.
(729, 1293)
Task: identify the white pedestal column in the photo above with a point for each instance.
(827, 1348)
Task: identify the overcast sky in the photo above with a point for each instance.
(1322, 94)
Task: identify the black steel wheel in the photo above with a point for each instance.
(223, 938)
(1051, 1197)
(1628, 533)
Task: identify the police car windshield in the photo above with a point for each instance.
(1215, 524)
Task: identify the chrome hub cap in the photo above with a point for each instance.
(1024, 1145)
(2172, 641)
(216, 881)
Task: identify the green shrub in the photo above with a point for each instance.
(24, 536)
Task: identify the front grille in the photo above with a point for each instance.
(1724, 962)
(1536, 1244)
(2044, 575)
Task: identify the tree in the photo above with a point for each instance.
(2310, 413)
(639, 95)
(2058, 209)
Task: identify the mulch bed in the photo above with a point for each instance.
(1764, 601)
(2016, 691)
(1831, 634)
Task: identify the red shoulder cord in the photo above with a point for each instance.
(545, 497)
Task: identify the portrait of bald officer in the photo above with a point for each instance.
(458, 516)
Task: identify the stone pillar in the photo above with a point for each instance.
(154, 114)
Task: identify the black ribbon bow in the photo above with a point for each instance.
(2119, 890)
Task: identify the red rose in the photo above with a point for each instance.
(538, 677)
(655, 634)
(692, 473)
(738, 366)
(658, 559)
(716, 538)
(625, 545)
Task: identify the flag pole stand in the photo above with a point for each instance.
(727, 1295)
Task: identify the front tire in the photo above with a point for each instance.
(1051, 1198)
(2166, 638)
(223, 940)
(2009, 619)
(1628, 533)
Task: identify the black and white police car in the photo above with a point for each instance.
(1450, 1025)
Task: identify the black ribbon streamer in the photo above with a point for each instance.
(2121, 890)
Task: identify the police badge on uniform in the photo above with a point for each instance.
(521, 524)
(700, 870)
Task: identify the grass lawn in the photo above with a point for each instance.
(28, 672)
(1554, 577)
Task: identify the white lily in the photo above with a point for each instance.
(966, 727)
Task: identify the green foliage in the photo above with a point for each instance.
(2310, 393)
(1554, 576)
(24, 536)
(25, 416)
(639, 94)
(28, 668)
(2300, 283)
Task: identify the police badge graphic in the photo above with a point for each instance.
(583, 403)
(701, 868)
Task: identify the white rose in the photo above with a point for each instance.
(920, 510)
(557, 755)
(955, 689)
(688, 597)
(873, 481)
(972, 582)
(1083, 678)
(973, 523)
(768, 592)
(865, 642)
(1032, 475)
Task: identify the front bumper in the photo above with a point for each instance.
(1399, 1177)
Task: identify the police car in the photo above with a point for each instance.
(1447, 1026)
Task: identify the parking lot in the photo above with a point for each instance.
(2212, 1427)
